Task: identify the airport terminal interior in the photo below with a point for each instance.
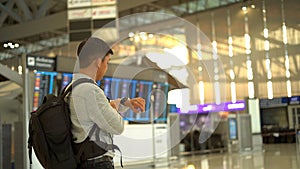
(219, 77)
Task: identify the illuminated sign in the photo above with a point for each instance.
(103, 2)
(207, 108)
(233, 133)
(40, 63)
(79, 13)
(275, 102)
(79, 3)
(233, 106)
(104, 12)
(294, 100)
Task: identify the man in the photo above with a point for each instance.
(89, 107)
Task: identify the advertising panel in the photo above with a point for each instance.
(84, 13)
(104, 12)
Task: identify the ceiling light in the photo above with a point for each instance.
(150, 35)
(244, 7)
(11, 45)
(131, 34)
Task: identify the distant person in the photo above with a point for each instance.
(94, 117)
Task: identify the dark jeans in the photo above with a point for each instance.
(100, 165)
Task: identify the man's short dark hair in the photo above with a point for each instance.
(91, 49)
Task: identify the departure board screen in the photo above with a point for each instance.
(66, 79)
(155, 94)
(44, 84)
(160, 93)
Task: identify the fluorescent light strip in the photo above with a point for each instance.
(201, 92)
(233, 92)
(266, 33)
(251, 90)
(217, 92)
(230, 54)
(285, 41)
(267, 48)
(284, 33)
(270, 89)
(289, 88)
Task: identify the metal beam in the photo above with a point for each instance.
(11, 75)
(43, 9)
(45, 24)
(22, 5)
(33, 7)
(10, 13)
(4, 15)
(128, 4)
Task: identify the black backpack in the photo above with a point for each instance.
(50, 132)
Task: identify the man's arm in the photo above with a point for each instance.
(137, 105)
(102, 113)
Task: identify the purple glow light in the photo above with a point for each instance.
(207, 108)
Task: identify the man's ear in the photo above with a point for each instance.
(98, 62)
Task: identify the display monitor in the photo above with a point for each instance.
(66, 79)
(44, 84)
(143, 90)
(232, 125)
(105, 84)
(117, 88)
(160, 93)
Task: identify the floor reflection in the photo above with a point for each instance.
(275, 156)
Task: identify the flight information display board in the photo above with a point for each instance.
(44, 84)
(160, 93)
(66, 79)
(144, 89)
(155, 94)
(106, 86)
(118, 88)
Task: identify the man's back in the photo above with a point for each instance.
(89, 106)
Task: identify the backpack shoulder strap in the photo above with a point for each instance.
(70, 86)
(105, 146)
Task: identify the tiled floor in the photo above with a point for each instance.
(275, 156)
